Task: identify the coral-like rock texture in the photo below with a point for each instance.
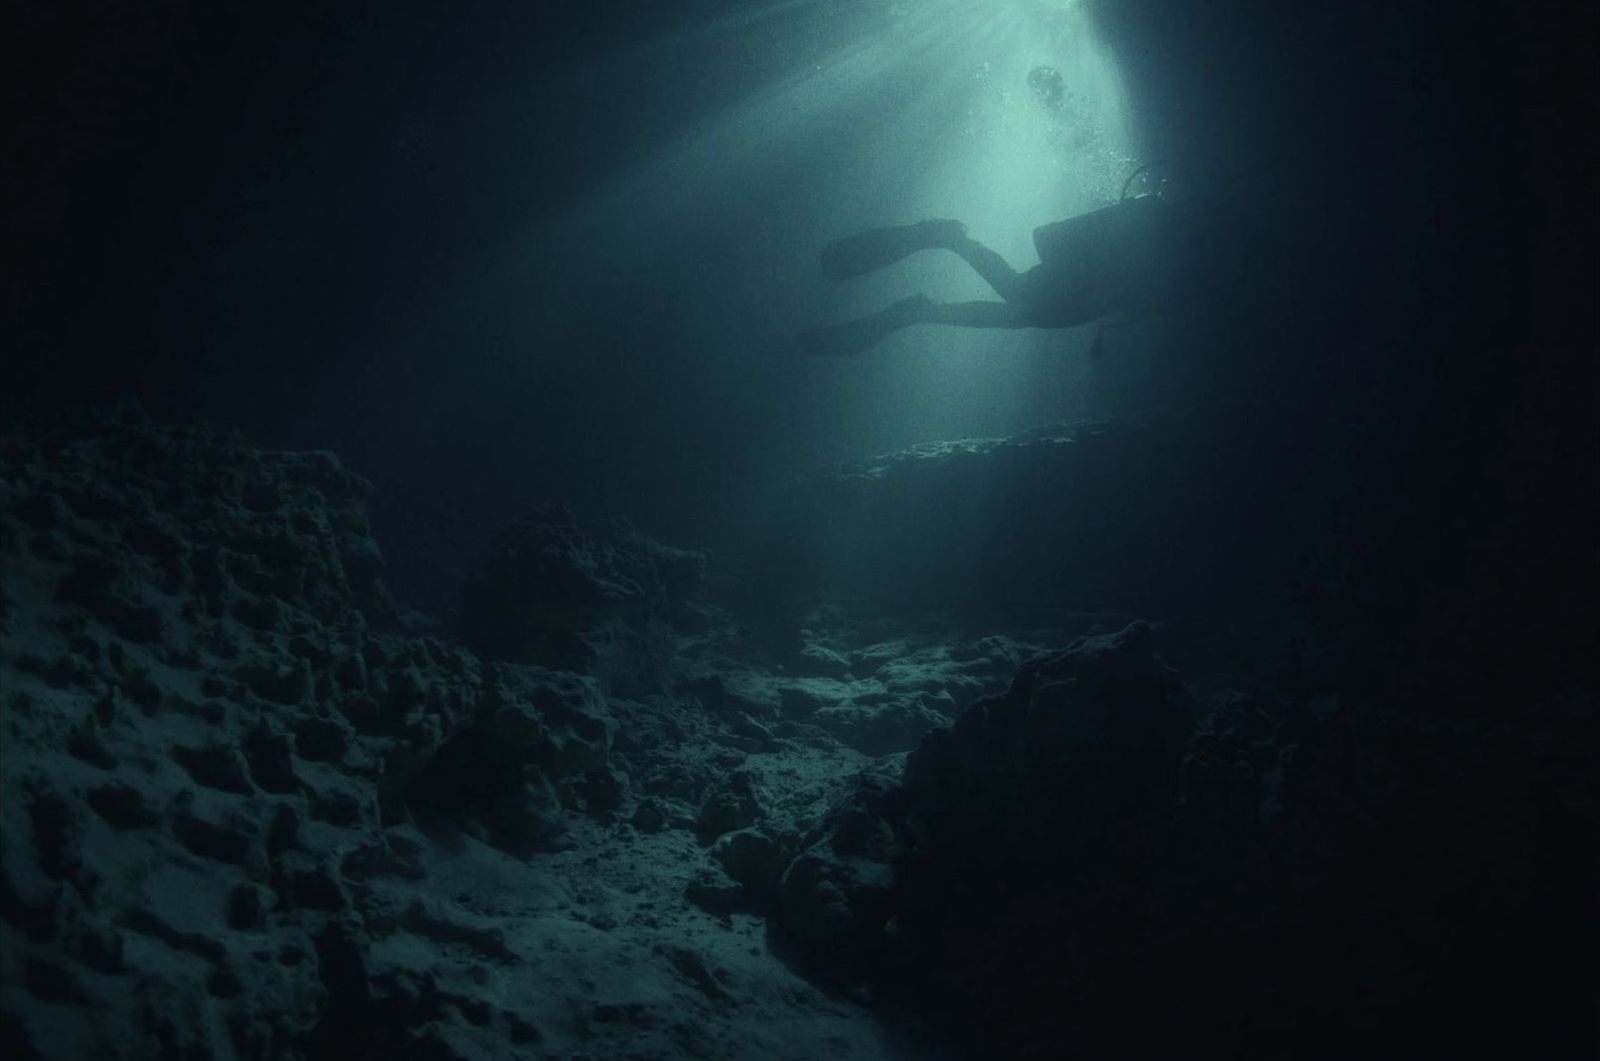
(213, 713)
(253, 807)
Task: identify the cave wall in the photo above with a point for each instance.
(1416, 387)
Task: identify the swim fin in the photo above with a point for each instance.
(877, 247)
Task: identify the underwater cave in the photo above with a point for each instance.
(902, 530)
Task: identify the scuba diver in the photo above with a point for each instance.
(1116, 263)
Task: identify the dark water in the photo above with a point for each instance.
(513, 256)
(559, 254)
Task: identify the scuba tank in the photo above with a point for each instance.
(1120, 258)
(1106, 234)
(1132, 222)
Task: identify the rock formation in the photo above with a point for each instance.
(254, 807)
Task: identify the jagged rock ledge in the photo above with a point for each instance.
(252, 806)
(942, 525)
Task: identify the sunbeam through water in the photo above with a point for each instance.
(1002, 115)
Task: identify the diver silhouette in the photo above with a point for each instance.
(1120, 261)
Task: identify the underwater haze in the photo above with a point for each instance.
(588, 255)
(798, 529)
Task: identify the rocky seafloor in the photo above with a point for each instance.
(253, 806)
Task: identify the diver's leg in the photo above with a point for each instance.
(974, 314)
(862, 334)
(995, 270)
(877, 247)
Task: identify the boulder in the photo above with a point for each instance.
(600, 602)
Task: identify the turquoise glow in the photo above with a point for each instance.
(816, 119)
